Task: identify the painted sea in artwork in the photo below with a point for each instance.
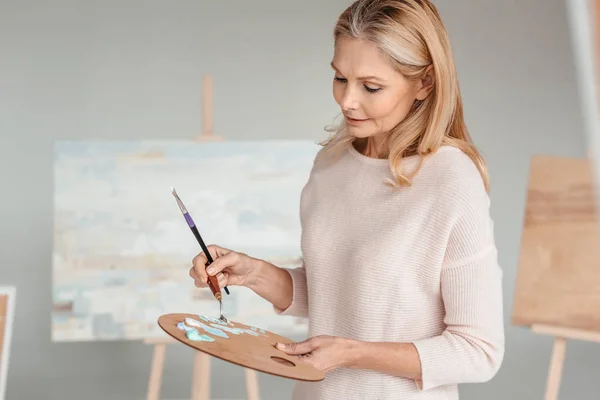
(122, 250)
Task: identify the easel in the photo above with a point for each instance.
(556, 291)
(578, 19)
(201, 371)
(559, 349)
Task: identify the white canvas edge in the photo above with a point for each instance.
(581, 28)
(11, 292)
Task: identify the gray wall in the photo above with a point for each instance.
(131, 69)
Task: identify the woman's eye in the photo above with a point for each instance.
(367, 88)
(372, 90)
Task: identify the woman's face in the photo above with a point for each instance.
(374, 97)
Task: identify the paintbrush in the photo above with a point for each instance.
(213, 283)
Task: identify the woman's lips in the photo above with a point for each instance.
(355, 121)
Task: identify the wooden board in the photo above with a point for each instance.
(7, 311)
(247, 346)
(3, 313)
(558, 281)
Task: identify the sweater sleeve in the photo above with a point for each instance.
(471, 348)
(299, 305)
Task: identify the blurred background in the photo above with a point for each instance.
(133, 69)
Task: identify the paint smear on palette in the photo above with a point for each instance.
(216, 327)
(213, 320)
(224, 326)
(236, 331)
(193, 334)
(184, 327)
(208, 329)
(260, 330)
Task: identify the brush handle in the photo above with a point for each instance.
(214, 282)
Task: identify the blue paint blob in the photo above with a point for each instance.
(216, 328)
(215, 331)
(184, 327)
(255, 329)
(195, 336)
(235, 331)
(208, 329)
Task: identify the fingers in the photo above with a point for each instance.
(217, 251)
(222, 278)
(198, 280)
(227, 260)
(198, 271)
(199, 276)
(298, 348)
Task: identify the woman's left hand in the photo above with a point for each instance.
(325, 353)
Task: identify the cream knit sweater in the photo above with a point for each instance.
(416, 264)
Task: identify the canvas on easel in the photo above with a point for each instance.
(122, 252)
(7, 313)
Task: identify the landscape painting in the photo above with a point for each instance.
(122, 249)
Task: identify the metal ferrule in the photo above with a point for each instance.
(179, 202)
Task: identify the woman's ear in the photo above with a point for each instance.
(427, 83)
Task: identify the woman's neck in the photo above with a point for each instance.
(377, 147)
(373, 147)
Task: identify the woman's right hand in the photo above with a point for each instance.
(231, 268)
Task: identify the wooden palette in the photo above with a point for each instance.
(244, 345)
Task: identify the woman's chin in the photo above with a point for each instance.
(359, 133)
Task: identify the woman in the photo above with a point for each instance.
(400, 280)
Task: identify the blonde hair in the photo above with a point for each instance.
(411, 34)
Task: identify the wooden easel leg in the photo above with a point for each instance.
(158, 361)
(201, 378)
(252, 392)
(556, 366)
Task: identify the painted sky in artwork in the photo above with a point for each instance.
(122, 249)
